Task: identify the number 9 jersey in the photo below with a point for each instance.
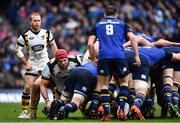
(111, 33)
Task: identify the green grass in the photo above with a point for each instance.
(9, 113)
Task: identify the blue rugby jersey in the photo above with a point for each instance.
(111, 33)
(174, 49)
(152, 54)
(91, 67)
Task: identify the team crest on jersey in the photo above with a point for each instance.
(42, 37)
(31, 38)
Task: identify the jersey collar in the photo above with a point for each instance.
(35, 32)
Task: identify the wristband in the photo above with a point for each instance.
(47, 100)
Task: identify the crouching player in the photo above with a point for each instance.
(149, 56)
(79, 84)
(55, 73)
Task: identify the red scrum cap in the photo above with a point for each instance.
(61, 54)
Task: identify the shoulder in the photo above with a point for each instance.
(51, 63)
(25, 32)
(76, 59)
(46, 29)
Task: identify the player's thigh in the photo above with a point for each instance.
(29, 80)
(176, 76)
(167, 67)
(141, 86)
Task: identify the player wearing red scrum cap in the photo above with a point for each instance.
(55, 73)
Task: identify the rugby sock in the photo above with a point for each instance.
(105, 100)
(175, 98)
(70, 107)
(138, 101)
(112, 88)
(167, 93)
(96, 100)
(149, 100)
(33, 110)
(123, 94)
(25, 101)
(131, 96)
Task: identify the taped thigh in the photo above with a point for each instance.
(167, 78)
(140, 84)
(66, 97)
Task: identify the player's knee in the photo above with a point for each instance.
(141, 86)
(78, 99)
(27, 89)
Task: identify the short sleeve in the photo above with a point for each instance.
(128, 29)
(20, 41)
(168, 55)
(51, 37)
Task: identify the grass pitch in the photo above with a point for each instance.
(10, 111)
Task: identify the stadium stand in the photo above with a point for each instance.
(70, 22)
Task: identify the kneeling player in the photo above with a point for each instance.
(79, 84)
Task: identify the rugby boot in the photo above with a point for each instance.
(137, 112)
(121, 114)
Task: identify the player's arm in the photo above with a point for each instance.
(43, 88)
(142, 41)
(91, 40)
(53, 46)
(18, 50)
(52, 42)
(44, 85)
(163, 42)
(127, 44)
(134, 44)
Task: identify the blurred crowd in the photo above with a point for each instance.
(71, 20)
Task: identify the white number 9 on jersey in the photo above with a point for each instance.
(109, 30)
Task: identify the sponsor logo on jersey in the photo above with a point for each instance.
(31, 38)
(38, 47)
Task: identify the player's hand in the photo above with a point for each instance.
(137, 61)
(48, 105)
(28, 67)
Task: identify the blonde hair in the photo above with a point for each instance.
(35, 14)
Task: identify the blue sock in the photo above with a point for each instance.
(149, 100)
(167, 93)
(96, 101)
(123, 94)
(131, 96)
(105, 100)
(70, 107)
(175, 98)
(139, 100)
(111, 88)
